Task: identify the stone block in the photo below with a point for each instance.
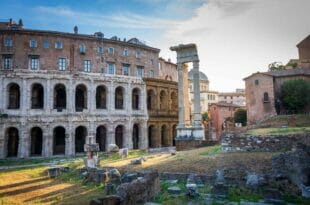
(174, 190)
(191, 190)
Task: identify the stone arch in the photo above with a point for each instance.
(119, 97)
(101, 137)
(135, 136)
(151, 99)
(59, 140)
(174, 101)
(36, 141)
(163, 100)
(60, 97)
(80, 136)
(12, 137)
(174, 134)
(119, 136)
(152, 136)
(136, 98)
(80, 97)
(101, 97)
(37, 96)
(164, 136)
(13, 91)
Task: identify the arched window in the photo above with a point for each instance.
(151, 100)
(12, 142)
(60, 97)
(37, 96)
(135, 99)
(266, 97)
(119, 132)
(174, 101)
(80, 98)
(164, 136)
(119, 98)
(36, 141)
(151, 136)
(101, 137)
(135, 136)
(163, 100)
(80, 135)
(13, 96)
(101, 97)
(59, 142)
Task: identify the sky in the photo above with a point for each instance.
(235, 38)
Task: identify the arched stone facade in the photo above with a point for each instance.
(162, 108)
(59, 125)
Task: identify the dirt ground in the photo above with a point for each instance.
(195, 161)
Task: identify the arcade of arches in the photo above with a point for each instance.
(60, 144)
(162, 104)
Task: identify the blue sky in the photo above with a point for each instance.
(234, 37)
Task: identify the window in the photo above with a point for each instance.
(100, 49)
(82, 48)
(111, 50)
(34, 62)
(87, 65)
(125, 52)
(152, 62)
(138, 54)
(140, 71)
(62, 64)
(33, 44)
(256, 82)
(125, 69)
(8, 42)
(58, 44)
(7, 62)
(46, 44)
(266, 97)
(151, 74)
(111, 68)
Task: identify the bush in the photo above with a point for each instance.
(205, 116)
(295, 95)
(240, 116)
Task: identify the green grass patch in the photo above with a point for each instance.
(279, 131)
(295, 199)
(236, 194)
(216, 149)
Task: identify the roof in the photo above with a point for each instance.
(305, 42)
(225, 104)
(283, 73)
(202, 76)
(232, 94)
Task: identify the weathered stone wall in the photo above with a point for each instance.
(242, 142)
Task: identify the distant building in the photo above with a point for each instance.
(237, 97)
(263, 92)
(206, 96)
(168, 70)
(221, 116)
(263, 89)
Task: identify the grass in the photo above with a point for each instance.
(212, 151)
(279, 131)
(236, 194)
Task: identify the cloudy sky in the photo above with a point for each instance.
(234, 37)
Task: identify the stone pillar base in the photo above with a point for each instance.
(189, 138)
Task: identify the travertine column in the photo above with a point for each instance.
(48, 103)
(181, 96)
(24, 99)
(143, 138)
(2, 142)
(127, 137)
(70, 97)
(4, 93)
(197, 112)
(110, 134)
(92, 97)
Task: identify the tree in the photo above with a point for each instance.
(295, 95)
(240, 116)
(275, 66)
(205, 116)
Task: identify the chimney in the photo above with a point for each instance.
(20, 24)
(76, 30)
